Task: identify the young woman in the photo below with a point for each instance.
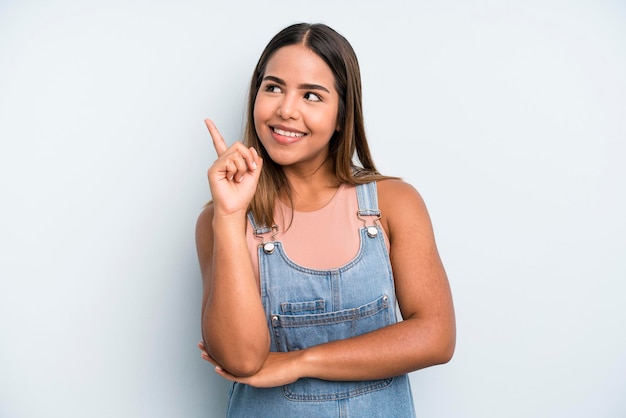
(305, 250)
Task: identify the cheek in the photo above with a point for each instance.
(256, 111)
(262, 107)
(259, 117)
(327, 121)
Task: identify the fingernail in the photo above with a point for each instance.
(239, 179)
(218, 369)
(254, 166)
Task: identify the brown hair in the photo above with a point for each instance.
(338, 54)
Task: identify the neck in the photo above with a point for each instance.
(312, 189)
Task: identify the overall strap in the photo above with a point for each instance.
(258, 230)
(367, 198)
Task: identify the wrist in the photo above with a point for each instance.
(306, 360)
(228, 221)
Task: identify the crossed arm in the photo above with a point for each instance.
(236, 337)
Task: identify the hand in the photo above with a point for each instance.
(279, 369)
(233, 177)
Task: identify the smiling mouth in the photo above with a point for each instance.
(288, 133)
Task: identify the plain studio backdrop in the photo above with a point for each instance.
(508, 116)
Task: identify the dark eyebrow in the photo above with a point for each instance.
(304, 86)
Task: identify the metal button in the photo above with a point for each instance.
(372, 231)
(268, 247)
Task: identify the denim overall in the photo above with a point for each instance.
(306, 307)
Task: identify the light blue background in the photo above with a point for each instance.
(508, 116)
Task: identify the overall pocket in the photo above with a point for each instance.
(298, 331)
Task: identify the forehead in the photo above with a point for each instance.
(299, 64)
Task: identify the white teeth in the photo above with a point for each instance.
(287, 133)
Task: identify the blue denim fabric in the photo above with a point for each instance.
(307, 307)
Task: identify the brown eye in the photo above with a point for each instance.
(272, 88)
(312, 97)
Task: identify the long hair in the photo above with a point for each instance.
(348, 142)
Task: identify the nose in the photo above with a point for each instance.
(288, 107)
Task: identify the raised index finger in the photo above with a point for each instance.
(218, 141)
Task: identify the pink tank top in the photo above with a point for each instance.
(323, 239)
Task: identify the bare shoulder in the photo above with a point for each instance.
(402, 206)
(204, 223)
(395, 191)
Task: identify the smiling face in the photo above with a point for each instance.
(296, 107)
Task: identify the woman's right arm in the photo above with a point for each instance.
(234, 327)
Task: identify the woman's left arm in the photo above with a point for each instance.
(424, 338)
